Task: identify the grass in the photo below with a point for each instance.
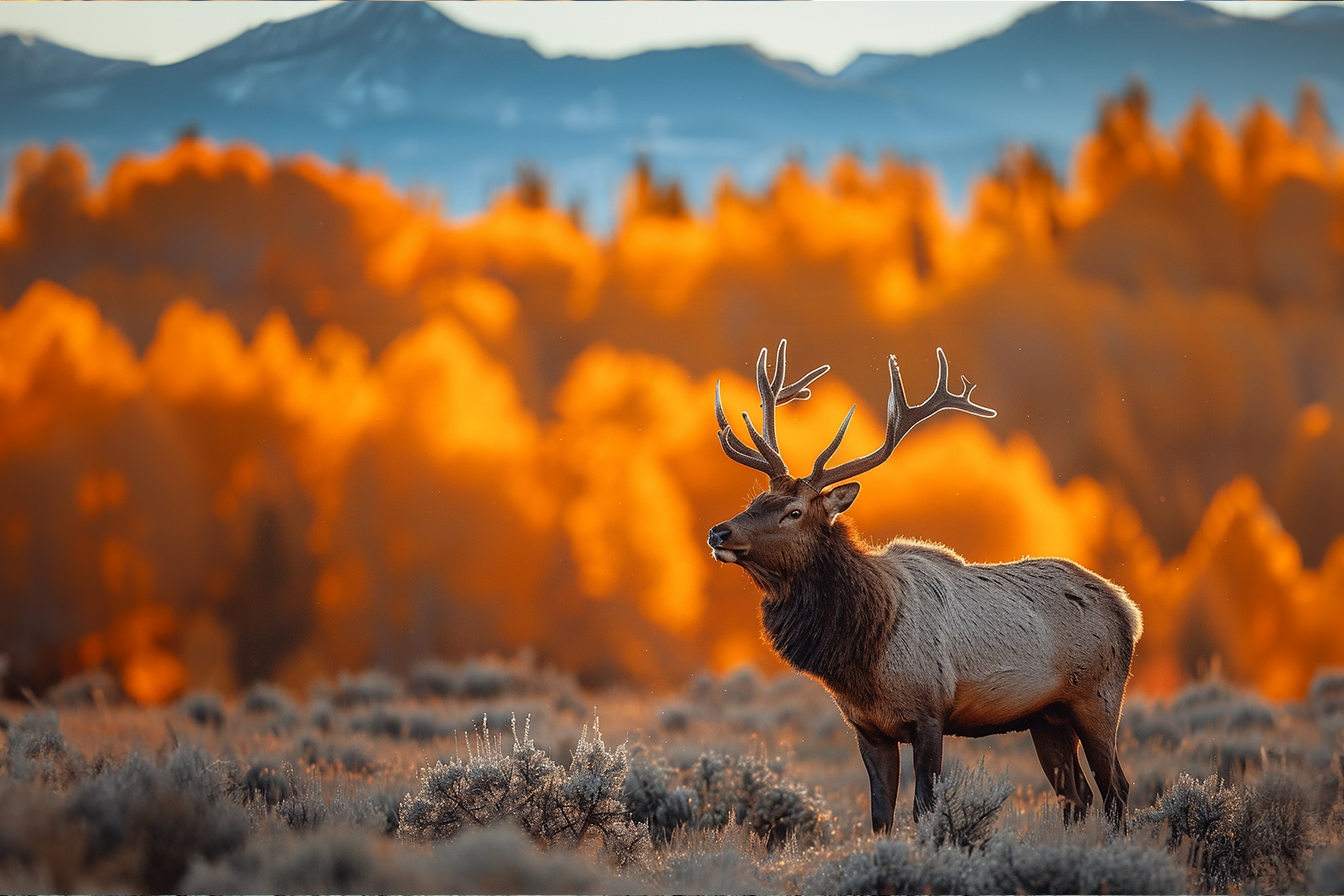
(734, 784)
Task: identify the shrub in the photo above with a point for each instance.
(1119, 866)
(1237, 834)
(127, 826)
(1207, 814)
(1232, 757)
(1325, 696)
(380, 721)
(307, 808)
(476, 679)
(1327, 873)
(379, 808)
(1148, 784)
(741, 685)
(266, 780)
(342, 860)
(676, 716)
(717, 789)
(154, 819)
(322, 715)
(352, 756)
(1213, 704)
(270, 708)
(424, 726)
(433, 678)
(1151, 722)
(549, 802)
(92, 688)
(1273, 831)
(748, 790)
(1004, 865)
(1330, 799)
(728, 860)
(651, 798)
(37, 841)
(370, 687)
(489, 677)
(473, 865)
(204, 707)
(746, 700)
(966, 807)
(36, 751)
(264, 698)
(890, 866)
(1209, 705)
(337, 861)
(482, 679)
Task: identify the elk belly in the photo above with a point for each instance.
(1000, 699)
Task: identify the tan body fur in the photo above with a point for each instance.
(983, 646)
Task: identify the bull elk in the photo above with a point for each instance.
(913, 642)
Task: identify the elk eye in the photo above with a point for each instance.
(795, 514)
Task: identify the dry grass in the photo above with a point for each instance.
(734, 784)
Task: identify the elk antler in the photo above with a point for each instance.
(901, 418)
(765, 457)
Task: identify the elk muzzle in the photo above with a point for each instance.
(721, 539)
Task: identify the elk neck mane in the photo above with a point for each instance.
(831, 615)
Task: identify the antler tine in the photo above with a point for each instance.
(943, 399)
(942, 373)
(742, 455)
(778, 379)
(762, 445)
(765, 457)
(901, 418)
(766, 461)
(798, 391)
(820, 464)
(732, 445)
(767, 390)
(718, 405)
(896, 408)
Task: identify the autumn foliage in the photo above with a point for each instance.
(273, 419)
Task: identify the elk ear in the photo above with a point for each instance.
(837, 500)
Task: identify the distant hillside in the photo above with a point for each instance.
(1040, 80)
(29, 63)
(401, 88)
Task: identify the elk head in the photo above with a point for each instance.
(776, 533)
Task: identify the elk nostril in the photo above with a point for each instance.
(718, 535)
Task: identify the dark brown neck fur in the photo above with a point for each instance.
(831, 615)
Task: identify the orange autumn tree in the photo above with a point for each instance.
(273, 419)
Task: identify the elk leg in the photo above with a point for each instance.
(882, 757)
(1084, 789)
(928, 749)
(1057, 748)
(1098, 737)
(1122, 790)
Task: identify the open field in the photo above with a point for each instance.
(732, 784)
(263, 420)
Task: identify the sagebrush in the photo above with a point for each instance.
(738, 783)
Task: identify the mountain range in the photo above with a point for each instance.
(402, 88)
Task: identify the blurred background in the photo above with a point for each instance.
(367, 336)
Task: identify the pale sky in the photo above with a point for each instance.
(825, 35)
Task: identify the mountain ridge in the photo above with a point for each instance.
(27, 61)
(407, 90)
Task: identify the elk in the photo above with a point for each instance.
(913, 642)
